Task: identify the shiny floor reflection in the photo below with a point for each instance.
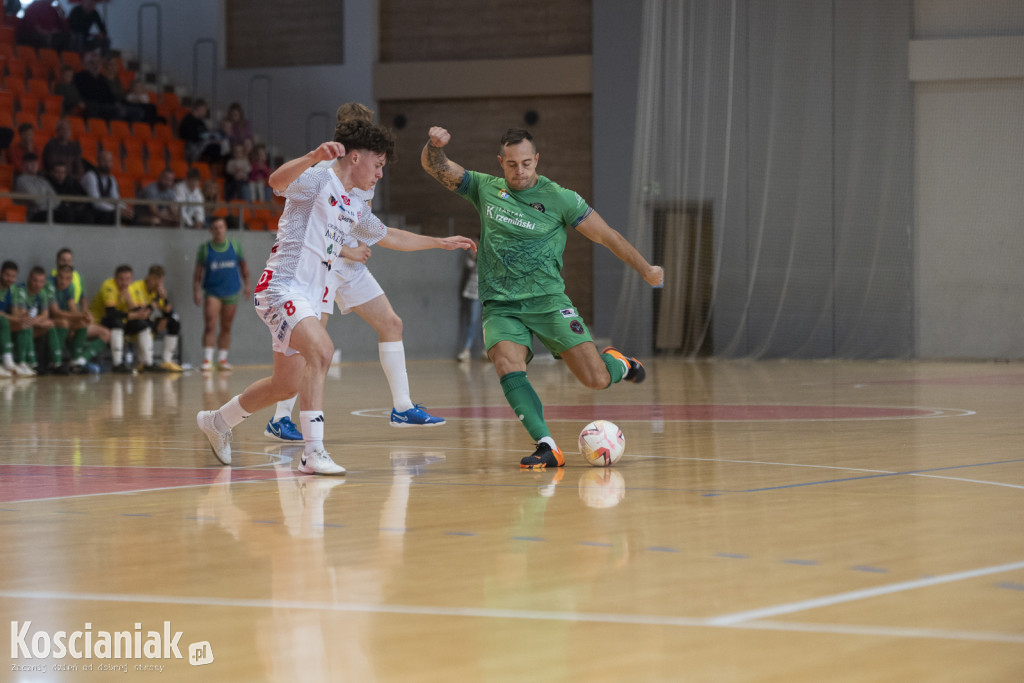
(769, 521)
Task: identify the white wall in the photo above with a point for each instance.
(969, 180)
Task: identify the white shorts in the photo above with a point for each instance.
(348, 294)
(282, 319)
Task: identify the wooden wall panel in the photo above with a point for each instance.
(432, 30)
(260, 33)
(563, 136)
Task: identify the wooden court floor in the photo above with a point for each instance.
(771, 521)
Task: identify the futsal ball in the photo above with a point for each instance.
(602, 443)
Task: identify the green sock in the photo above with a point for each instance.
(525, 402)
(92, 348)
(615, 368)
(6, 346)
(78, 342)
(55, 339)
(25, 348)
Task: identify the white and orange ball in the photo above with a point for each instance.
(602, 443)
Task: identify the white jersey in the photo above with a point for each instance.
(348, 269)
(319, 216)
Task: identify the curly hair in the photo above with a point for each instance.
(360, 134)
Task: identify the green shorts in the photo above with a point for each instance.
(553, 319)
(224, 300)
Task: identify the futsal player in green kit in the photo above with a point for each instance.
(523, 222)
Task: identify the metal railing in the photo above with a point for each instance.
(234, 209)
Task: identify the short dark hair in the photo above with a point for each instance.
(8, 265)
(124, 268)
(359, 134)
(31, 156)
(25, 126)
(37, 270)
(513, 136)
(66, 268)
(156, 270)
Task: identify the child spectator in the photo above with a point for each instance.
(73, 105)
(237, 128)
(259, 175)
(236, 174)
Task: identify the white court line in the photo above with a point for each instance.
(969, 481)
(532, 615)
(851, 596)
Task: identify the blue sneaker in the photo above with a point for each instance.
(414, 417)
(282, 430)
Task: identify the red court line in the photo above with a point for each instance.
(695, 413)
(31, 482)
(977, 381)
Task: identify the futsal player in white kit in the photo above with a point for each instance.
(319, 215)
(353, 288)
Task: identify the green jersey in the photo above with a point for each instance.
(35, 303)
(12, 299)
(63, 297)
(522, 235)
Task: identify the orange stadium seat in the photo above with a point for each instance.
(161, 131)
(77, 126)
(16, 214)
(15, 84)
(176, 148)
(53, 104)
(38, 87)
(51, 60)
(26, 117)
(127, 78)
(72, 59)
(156, 152)
(134, 167)
(96, 126)
(48, 122)
(142, 130)
(120, 129)
(29, 103)
(6, 176)
(15, 67)
(7, 35)
(7, 118)
(125, 185)
(132, 148)
(180, 168)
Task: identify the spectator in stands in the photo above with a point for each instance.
(188, 190)
(64, 185)
(237, 128)
(81, 21)
(236, 175)
(65, 86)
(25, 144)
(44, 25)
(6, 137)
(159, 214)
(63, 150)
(95, 91)
(200, 142)
(211, 195)
(259, 175)
(100, 184)
(30, 182)
(138, 96)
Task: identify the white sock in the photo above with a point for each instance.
(312, 425)
(8, 360)
(170, 346)
(392, 359)
(208, 353)
(549, 441)
(117, 346)
(284, 408)
(231, 413)
(222, 355)
(145, 341)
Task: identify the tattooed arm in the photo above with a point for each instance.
(436, 162)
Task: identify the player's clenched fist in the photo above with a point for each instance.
(439, 137)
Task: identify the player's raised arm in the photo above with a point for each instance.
(597, 230)
(436, 162)
(287, 172)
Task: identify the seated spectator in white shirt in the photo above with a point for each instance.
(192, 215)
